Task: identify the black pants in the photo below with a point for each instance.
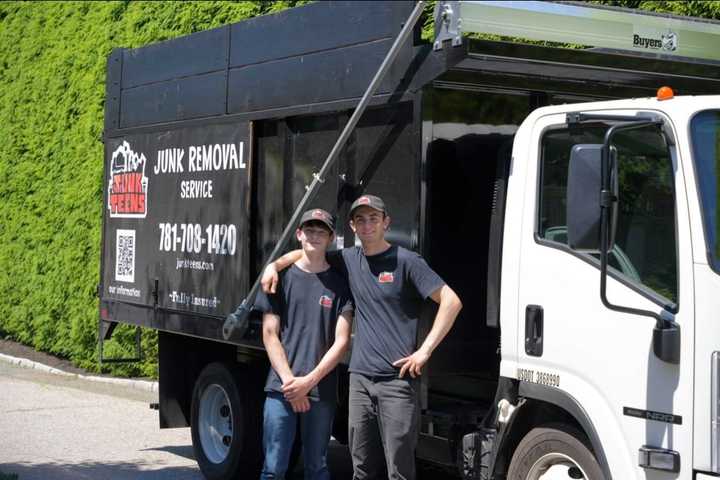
(384, 425)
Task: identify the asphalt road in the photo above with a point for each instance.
(54, 427)
(60, 428)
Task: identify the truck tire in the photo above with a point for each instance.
(554, 452)
(226, 416)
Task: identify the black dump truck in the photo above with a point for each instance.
(213, 141)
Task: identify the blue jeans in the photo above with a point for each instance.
(279, 425)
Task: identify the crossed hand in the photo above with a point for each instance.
(295, 391)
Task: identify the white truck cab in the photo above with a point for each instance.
(652, 417)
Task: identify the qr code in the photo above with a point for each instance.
(125, 256)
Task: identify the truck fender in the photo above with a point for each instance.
(567, 403)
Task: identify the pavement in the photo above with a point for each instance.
(66, 424)
(61, 426)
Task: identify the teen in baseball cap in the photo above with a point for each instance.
(306, 331)
(371, 201)
(389, 285)
(318, 215)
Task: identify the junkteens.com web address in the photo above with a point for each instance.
(185, 263)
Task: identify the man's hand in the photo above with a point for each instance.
(297, 388)
(300, 405)
(269, 279)
(412, 364)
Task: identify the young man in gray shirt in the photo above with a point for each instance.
(306, 331)
(389, 285)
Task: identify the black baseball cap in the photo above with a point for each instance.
(318, 215)
(368, 201)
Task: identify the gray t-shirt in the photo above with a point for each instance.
(308, 305)
(389, 290)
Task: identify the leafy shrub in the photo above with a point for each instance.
(52, 87)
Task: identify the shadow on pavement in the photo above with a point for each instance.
(340, 466)
(185, 451)
(338, 460)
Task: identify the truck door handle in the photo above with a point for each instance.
(534, 330)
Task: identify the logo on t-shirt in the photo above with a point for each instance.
(326, 301)
(386, 277)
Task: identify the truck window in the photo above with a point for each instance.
(705, 135)
(645, 250)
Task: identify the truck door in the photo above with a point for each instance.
(572, 350)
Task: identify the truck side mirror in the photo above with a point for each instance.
(584, 189)
(591, 214)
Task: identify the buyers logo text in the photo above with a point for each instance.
(667, 41)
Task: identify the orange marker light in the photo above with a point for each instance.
(665, 93)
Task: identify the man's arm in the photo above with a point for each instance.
(450, 306)
(299, 387)
(278, 358)
(270, 275)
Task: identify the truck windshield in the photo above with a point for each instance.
(705, 135)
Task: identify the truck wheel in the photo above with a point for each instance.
(225, 423)
(552, 454)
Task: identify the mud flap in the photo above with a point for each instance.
(477, 449)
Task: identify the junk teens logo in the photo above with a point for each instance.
(127, 192)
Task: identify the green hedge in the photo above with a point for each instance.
(52, 74)
(52, 84)
(691, 8)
